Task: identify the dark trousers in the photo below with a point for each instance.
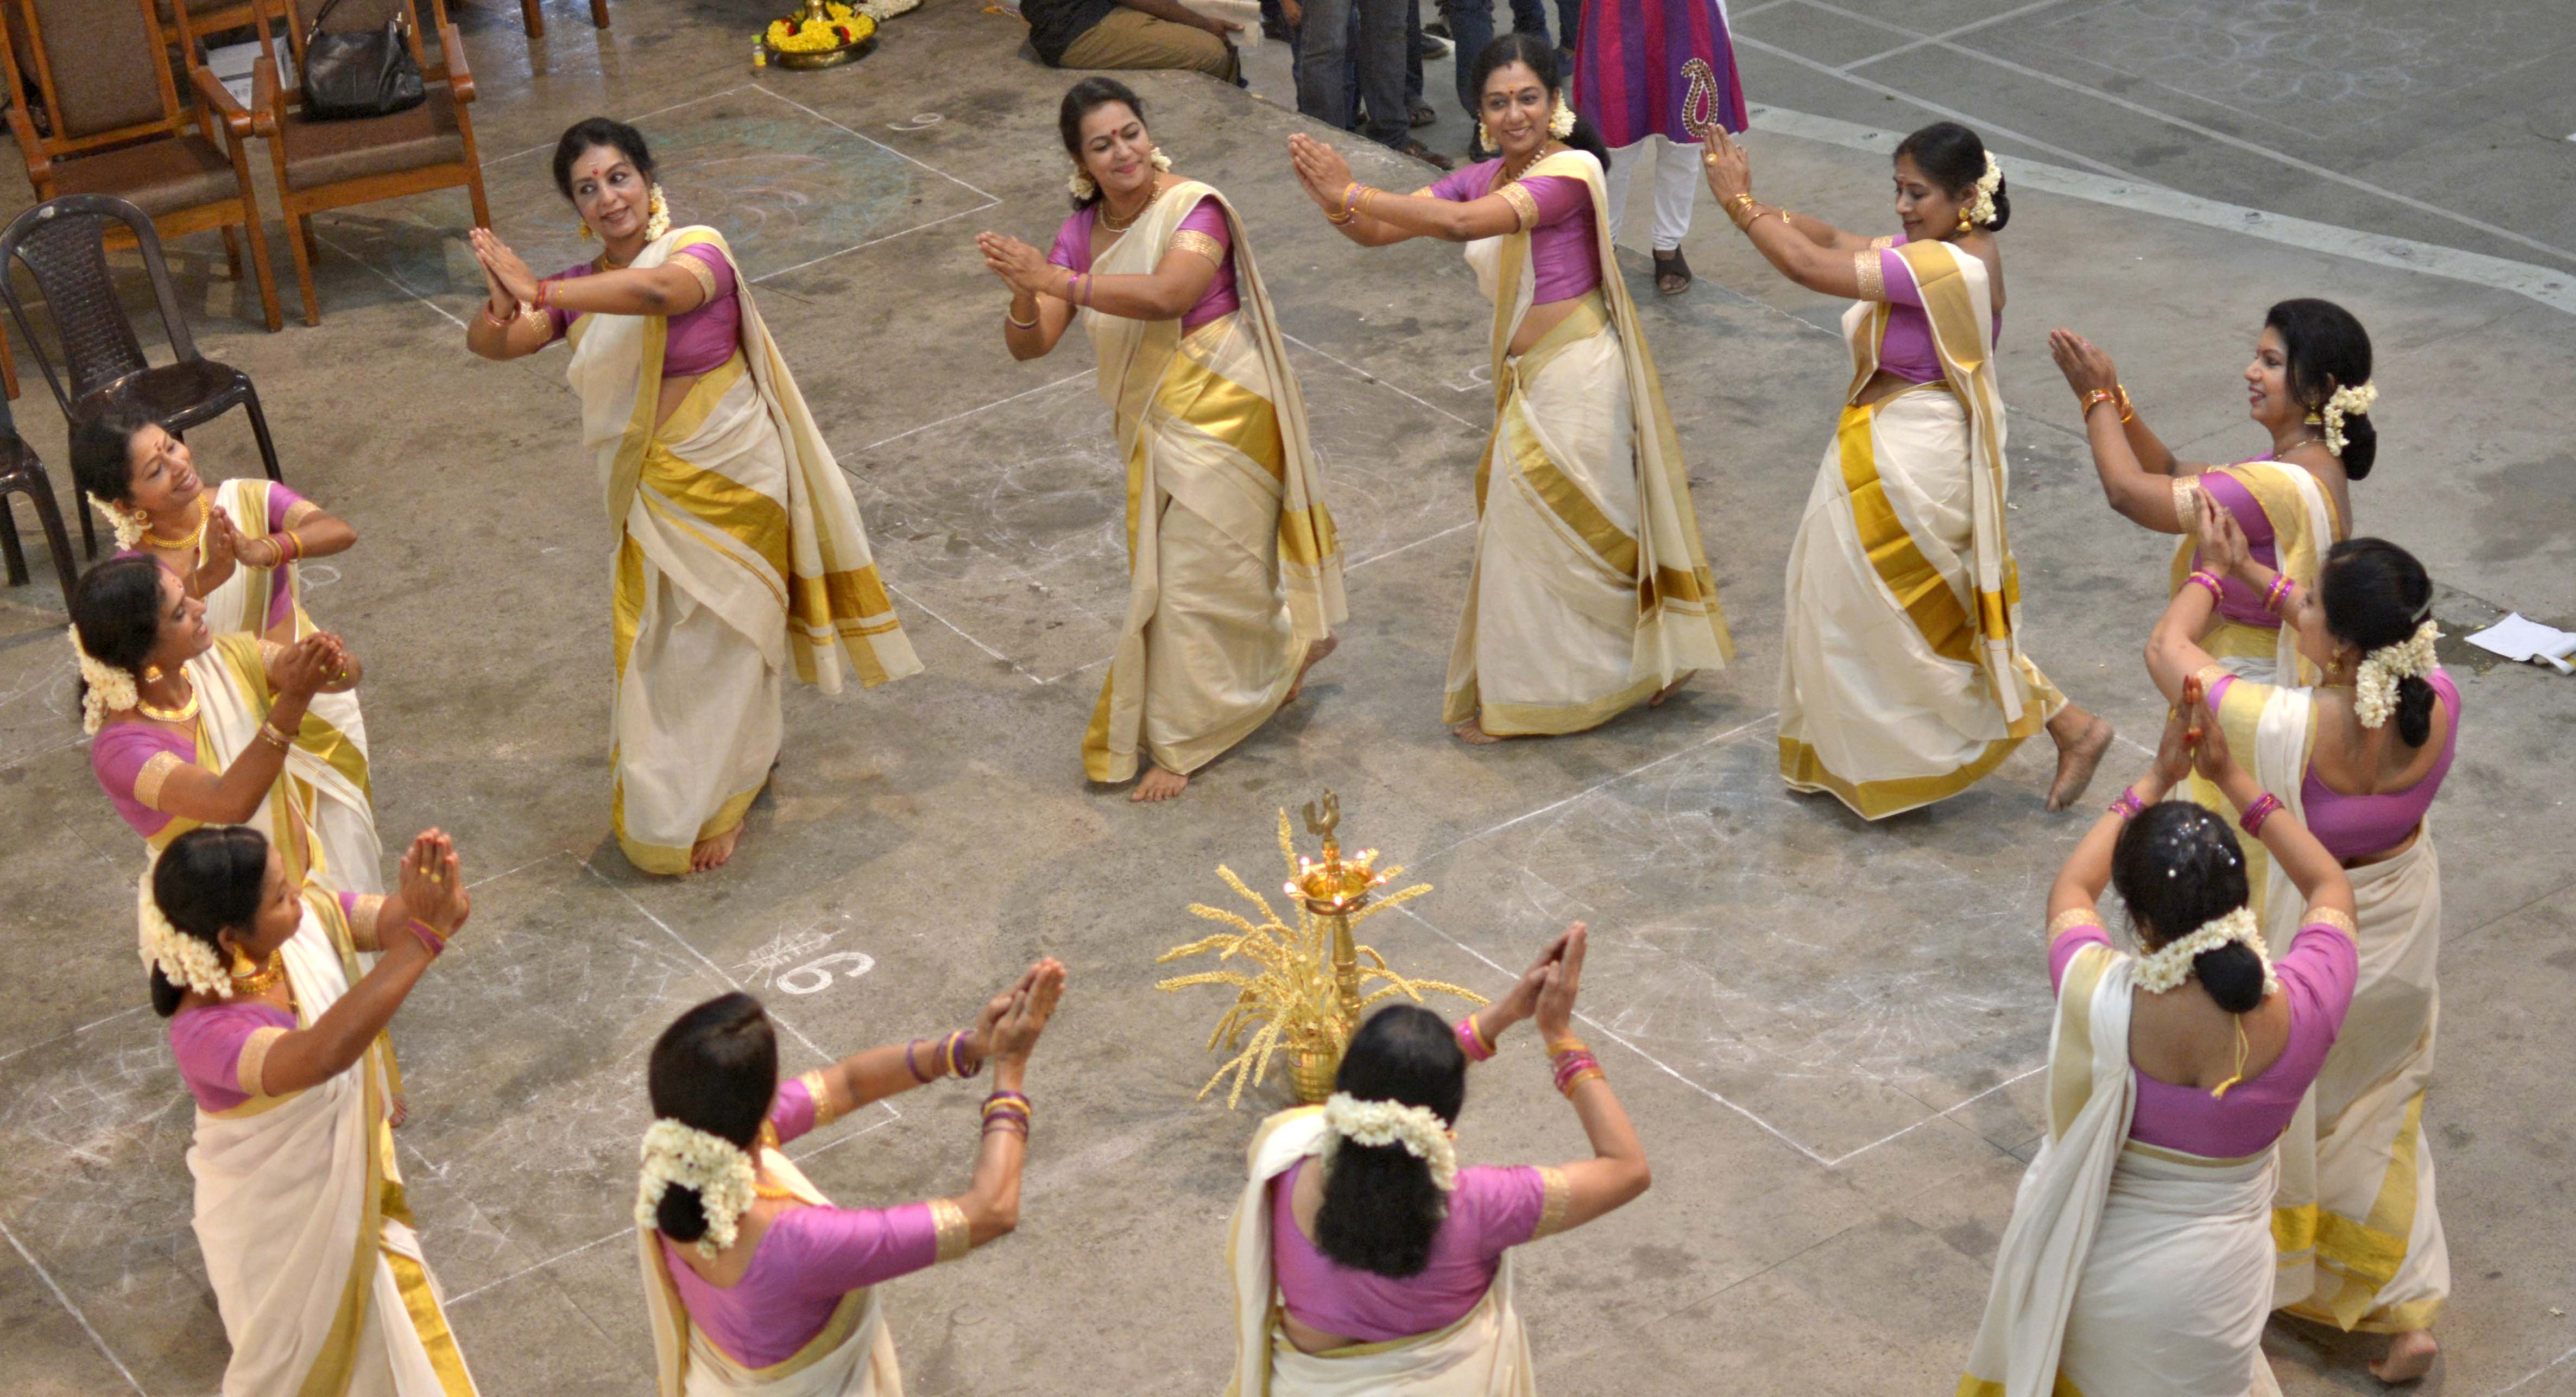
(1341, 37)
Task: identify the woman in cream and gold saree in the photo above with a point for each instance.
(1234, 574)
(2138, 1262)
(1903, 680)
(740, 552)
(1590, 593)
(1365, 1259)
(2357, 758)
(194, 728)
(2308, 386)
(308, 1239)
(755, 1285)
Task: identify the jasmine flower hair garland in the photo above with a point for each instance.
(1418, 1128)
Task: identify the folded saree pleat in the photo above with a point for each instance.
(2356, 1233)
(853, 1355)
(1484, 1354)
(1590, 590)
(2126, 1270)
(741, 557)
(1902, 678)
(1234, 569)
(304, 1225)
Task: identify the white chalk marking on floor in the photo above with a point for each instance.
(1937, 1115)
(871, 140)
(1417, 543)
(970, 412)
(455, 1300)
(1597, 785)
(66, 1301)
(683, 941)
(961, 630)
(1941, 38)
(1373, 378)
(70, 1033)
(1926, 104)
(2571, 1353)
(631, 120)
(2543, 284)
(892, 1115)
(384, 276)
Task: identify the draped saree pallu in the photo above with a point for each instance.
(1590, 591)
(2302, 521)
(1484, 1354)
(2357, 1235)
(740, 555)
(853, 1356)
(320, 812)
(2127, 1270)
(1233, 568)
(1902, 679)
(308, 1239)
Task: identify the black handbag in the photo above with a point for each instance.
(360, 73)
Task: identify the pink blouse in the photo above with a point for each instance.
(2352, 826)
(117, 757)
(1072, 251)
(2318, 976)
(1906, 351)
(280, 501)
(1565, 258)
(699, 341)
(2239, 601)
(807, 1260)
(208, 1041)
(1491, 1211)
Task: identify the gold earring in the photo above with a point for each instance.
(243, 966)
(1965, 222)
(586, 234)
(151, 674)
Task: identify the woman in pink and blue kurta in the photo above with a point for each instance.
(1651, 76)
(755, 1283)
(2138, 1262)
(1234, 574)
(740, 556)
(2358, 758)
(1392, 1264)
(1591, 593)
(309, 1242)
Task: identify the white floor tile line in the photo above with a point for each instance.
(683, 942)
(1597, 785)
(66, 1302)
(1378, 379)
(970, 412)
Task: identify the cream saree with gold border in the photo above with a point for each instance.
(301, 1216)
(853, 1356)
(2127, 1270)
(1484, 1354)
(1902, 679)
(2355, 1227)
(1233, 567)
(320, 812)
(2302, 529)
(1590, 589)
(740, 556)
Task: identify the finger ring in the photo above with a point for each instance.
(1708, 158)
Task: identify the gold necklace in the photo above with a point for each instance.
(186, 712)
(177, 544)
(1110, 221)
(258, 981)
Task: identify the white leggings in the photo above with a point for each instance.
(1677, 182)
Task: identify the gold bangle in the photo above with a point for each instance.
(1765, 213)
(2092, 400)
(1743, 201)
(269, 733)
(2128, 413)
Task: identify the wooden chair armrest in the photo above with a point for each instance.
(30, 145)
(268, 104)
(219, 99)
(451, 54)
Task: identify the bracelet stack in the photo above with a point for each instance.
(912, 1061)
(2210, 580)
(2128, 413)
(268, 733)
(1007, 1110)
(1350, 198)
(2255, 814)
(2277, 595)
(1471, 1040)
(2095, 397)
(1575, 1065)
(2128, 806)
(428, 937)
(952, 1055)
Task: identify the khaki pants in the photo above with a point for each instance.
(1134, 39)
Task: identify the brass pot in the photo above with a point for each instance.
(1310, 1075)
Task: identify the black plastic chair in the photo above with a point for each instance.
(22, 473)
(63, 242)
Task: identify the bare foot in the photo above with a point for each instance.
(712, 853)
(1472, 732)
(2076, 758)
(398, 1111)
(1158, 784)
(1314, 652)
(1667, 691)
(2409, 1356)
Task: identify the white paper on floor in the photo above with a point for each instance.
(2517, 637)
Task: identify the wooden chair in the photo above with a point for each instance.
(120, 129)
(534, 18)
(323, 165)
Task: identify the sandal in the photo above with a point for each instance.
(1672, 273)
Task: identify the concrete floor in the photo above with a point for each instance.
(1828, 1032)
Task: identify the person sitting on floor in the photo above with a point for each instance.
(1120, 34)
